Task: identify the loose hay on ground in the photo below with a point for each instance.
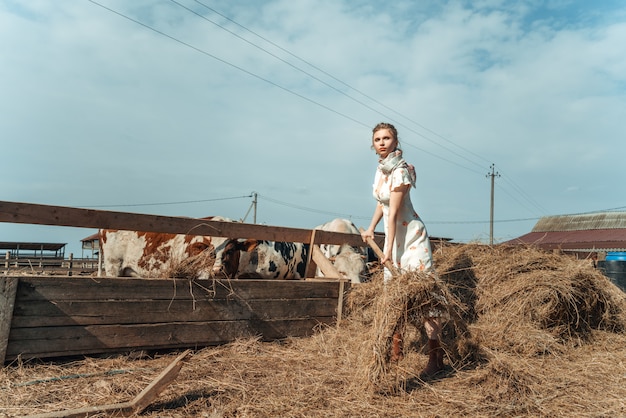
(570, 363)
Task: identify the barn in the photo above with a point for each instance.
(580, 235)
(599, 237)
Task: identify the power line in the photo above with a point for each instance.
(308, 209)
(271, 82)
(185, 202)
(523, 193)
(373, 99)
(332, 87)
(370, 98)
(250, 73)
(228, 63)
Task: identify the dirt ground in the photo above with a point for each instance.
(547, 334)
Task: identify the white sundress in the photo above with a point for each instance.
(411, 249)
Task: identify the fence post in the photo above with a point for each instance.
(70, 264)
(8, 291)
(7, 257)
(99, 261)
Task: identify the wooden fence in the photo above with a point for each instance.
(61, 315)
(49, 265)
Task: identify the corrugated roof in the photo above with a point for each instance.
(46, 246)
(588, 240)
(604, 221)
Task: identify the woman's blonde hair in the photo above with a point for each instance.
(390, 128)
(385, 125)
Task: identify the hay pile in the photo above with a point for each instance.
(530, 302)
(544, 336)
(408, 300)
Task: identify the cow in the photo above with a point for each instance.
(252, 258)
(156, 255)
(350, 261)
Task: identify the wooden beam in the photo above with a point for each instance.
(166, 377)
(311, 268)
(8, 290)
(325, 265)
(381, 255)
(342, 285)
(29, 213)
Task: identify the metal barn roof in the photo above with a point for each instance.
(582, 233)
(606, 220)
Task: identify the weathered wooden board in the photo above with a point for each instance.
(61, 316)
(66, 313)
(64, 341)
(66, 288)
(8, 290)
(29, 213)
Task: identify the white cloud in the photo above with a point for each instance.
(99, 110)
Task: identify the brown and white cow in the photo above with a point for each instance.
(156, 255)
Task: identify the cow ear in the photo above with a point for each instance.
(198, 247)
(248, 245)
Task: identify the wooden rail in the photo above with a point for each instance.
(16, 212)
(49, 265)
(28, 213)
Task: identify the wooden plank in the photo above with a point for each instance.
(33, 288)
(325, 265)
(8, 290)
(339, 315)
(125, 409)
(78, 340)
(141, 401)
(65, 313)
(379, 253)
(311, 268)
(29, 213)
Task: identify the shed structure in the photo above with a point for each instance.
(33, 249)
(581, 235)
(90, 246)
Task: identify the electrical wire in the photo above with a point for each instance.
(167, 203)
(252, 74)
(368, 97)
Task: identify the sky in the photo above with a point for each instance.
(192, 108)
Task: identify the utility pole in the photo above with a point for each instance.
(254, 202)
(493, 175)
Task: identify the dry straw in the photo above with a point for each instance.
(408, 300)
(530, 334)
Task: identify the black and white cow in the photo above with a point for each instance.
(286, 260)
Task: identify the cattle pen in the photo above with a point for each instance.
(52, 316)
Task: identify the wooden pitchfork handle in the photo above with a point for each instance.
(379, 253)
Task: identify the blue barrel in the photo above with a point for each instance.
(616, 255)
(615, 270)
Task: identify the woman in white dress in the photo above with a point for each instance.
(407, 244)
